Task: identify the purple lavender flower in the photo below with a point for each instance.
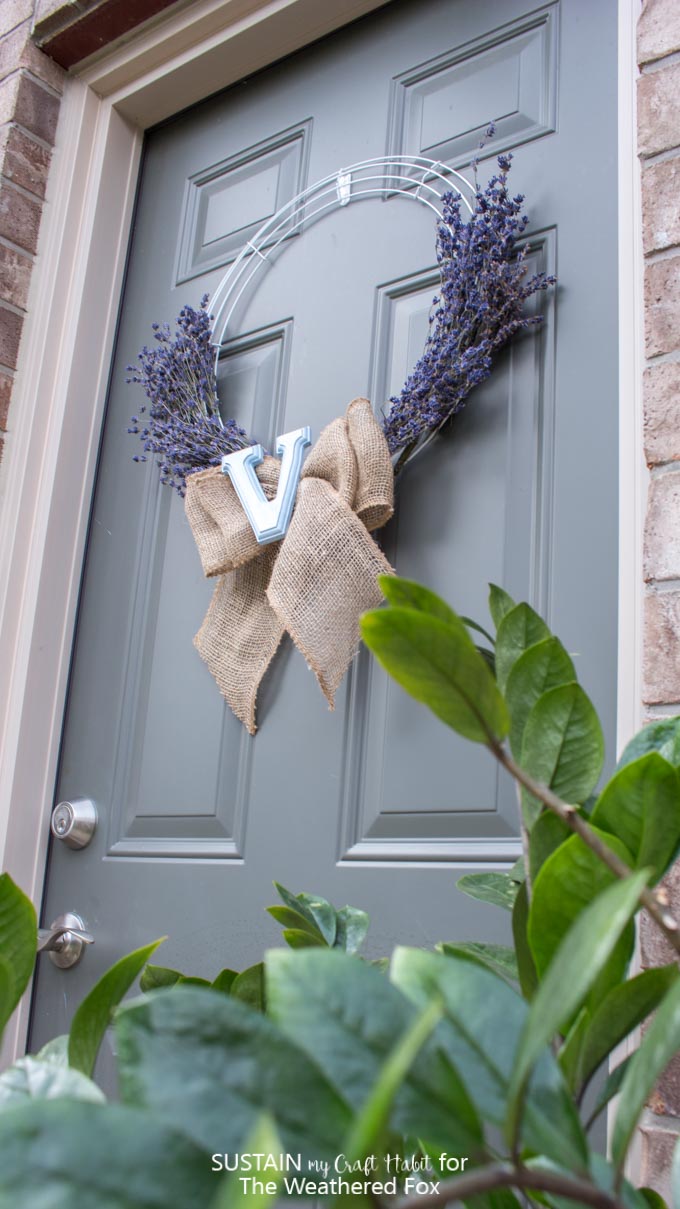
(183, 429)
(480, 306)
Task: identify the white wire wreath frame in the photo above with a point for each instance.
(416, 177)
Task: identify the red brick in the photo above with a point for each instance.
(6, 383)
(70, 33)
(658, 29)
(654, 948)
(17, 50)
(665, 1099)
(659, 110)
(15, 277)
(19, 217)
(660, 205)
(10, 335)
(662, 528)
(26, 162)
(662, 306)
(662, 412)
(36, 109)
(661, 656)
(658, 1144)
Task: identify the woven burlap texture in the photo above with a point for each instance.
(316, 582)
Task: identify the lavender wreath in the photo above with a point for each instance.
(479, 307)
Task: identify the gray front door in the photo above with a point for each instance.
(376, 804)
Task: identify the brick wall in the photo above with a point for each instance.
(659, 149)
(30, 88)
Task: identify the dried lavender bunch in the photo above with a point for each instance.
(479, 307)
(183, 428)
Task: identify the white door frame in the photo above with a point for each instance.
(48, 471)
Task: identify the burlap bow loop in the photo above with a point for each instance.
(316, 582)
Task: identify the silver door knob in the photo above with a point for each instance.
(74, 822)
(64, 942)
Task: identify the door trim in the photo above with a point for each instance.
(60, 388)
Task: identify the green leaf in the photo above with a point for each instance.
(18, 941)
(659, 1044)
(55, 1051)
(517, 872)
(498, 958)
(570, 1052)
(319, 913)
(547, 834)
(225, 981)
(662, 736)
(641, 805)
(248, 986)
(485, 1020)
(575, 967)
(567, 883)
(562, 746)
(437, 663)
(75, 1155)
(191, 980)
(31, 1079)
(499, 1198)
(543, 666)
(263, 1140)
(210, 1065)
(154, 977)
(348, 1017)
(372, 1120)
(407, 594)
(623, 1009)
(518, 630)
(352, 928)
(478, 629)
(528, 978)
(6, 993)
(499, 604)
(93, 1016)
(295, 938)
(653, 1199)
(610, 1088)
(497, 888)
(297, 921)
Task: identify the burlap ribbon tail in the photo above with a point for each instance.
(316, 582)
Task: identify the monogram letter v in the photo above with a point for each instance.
(269, 519)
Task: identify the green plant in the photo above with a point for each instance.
(457, 1075)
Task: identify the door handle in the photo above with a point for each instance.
(65, 940)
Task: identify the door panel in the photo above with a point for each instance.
(377, 803)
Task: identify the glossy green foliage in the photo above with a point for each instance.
(562, 747)
(67, 1154)
(433, 657)
(95, 1012)
(209, 1065)
(18, 939)
(478, 1049)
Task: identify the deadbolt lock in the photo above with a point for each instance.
(74, 822)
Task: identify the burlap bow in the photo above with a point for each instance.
(316, 582)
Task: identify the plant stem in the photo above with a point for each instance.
(504, 1176)
(569, 815)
